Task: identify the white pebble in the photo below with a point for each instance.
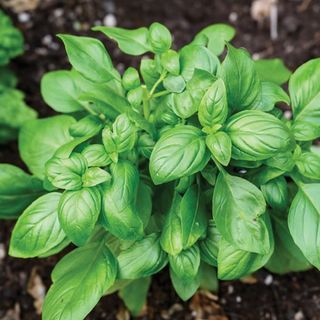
(2, 251)
(268, 280)
(230, 289)
(238, 299)
(24, 17)
(110, 20)
(233, 17)
(299, 315)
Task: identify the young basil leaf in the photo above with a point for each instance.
(96, 155)
(160, 38)
(304, 89)
(287, 257)
(283, 161)
(134, 42)
(184, 184)
(271, 94)
(209, 173)
(17, 191)
(39, 140)
(89, 57)
(276, 193)
(170, 62)
(308, 165)
(37, 229)
(272, 70)
(213, 107)
(304, 220)
(181, 151)
(257, 135)
(241, 79)
(238, 207)
(130, 79)
(144, 258)
(185, 288)
(186, 264)
(216, 36)
(134, 295)
(60, 91)
(78, 213)
(209, 246)
(80, 279)
(119, 198)
(149, 72)
(66, 173)
(87, 126)
(135, 97)
(124, 133)
(94, 176)
(184, 106)
(185, 222)
(197, 57)
(145, 145)
(220, 147)
(174, 83)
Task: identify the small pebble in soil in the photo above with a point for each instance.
(230, 289)
(287, 114)
(110, 20)
(24, 17)
(233, 17)
(2, 251)
(268, 280)
(238, 299)
(299, 315)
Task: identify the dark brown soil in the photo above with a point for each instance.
(294, 296)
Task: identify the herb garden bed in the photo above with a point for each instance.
(264, 296)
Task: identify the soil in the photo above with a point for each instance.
(262, 296)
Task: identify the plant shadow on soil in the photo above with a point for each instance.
(293, 296)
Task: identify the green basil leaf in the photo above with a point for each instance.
(238, 207)
(304, 220)
(209, 246)
(38, 229)
(134, 295)
(208, 278)
(89, 57)
(17, 190)
(282, 160)
(149, 72)
(186, 264)
(181, 151)
(160, 38)
(135, 97)
(39, 140)
(144, 258)
(144, 202)
(276, 193)
(213, 107)
(257, 135)
(241, 79)
(185, 288)
(145, 145)
(272, 70)
(134, 42)
(78, 213)
(287, 257)
(60, 91)
(96, 155)
(234, 263)
(119, 210)
(271, 94)
(174, 83)
(87, 126)
(80, 279)
(216, 36)
(94, 176)
(184, 106)
(304, 89)
(308, 165)
(197, 57)
(66, 173)
(220, 146)
(131, 79)
(170, 62)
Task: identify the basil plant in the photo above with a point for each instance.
(186, 162)
(13, 110)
